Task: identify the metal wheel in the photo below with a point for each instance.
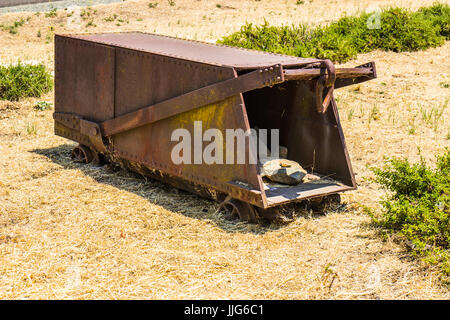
(332, 202)
(98, 159)
(273, 214)
(238, 209)
(325, 203)
(82, 154)
(333, 199)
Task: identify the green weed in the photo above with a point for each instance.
(51, 14)
(374, 114)
(111, 18)
(433, 116)
(42, 106)
(31, 128)
(13, 28)
(24, 80)
(90, 24)
(350, 114)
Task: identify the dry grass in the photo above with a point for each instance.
(73, 231)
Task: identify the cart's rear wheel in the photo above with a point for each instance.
(238, 209)
(273, 214)
(325, 203)
(82, 154)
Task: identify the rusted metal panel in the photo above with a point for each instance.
(206, 53)
(84, 78)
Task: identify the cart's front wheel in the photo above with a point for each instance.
(82, 154)
(238, 209)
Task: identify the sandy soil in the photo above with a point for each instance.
(74, 231)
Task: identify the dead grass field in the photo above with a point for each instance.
(83, 232)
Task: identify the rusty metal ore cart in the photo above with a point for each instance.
(121, 95)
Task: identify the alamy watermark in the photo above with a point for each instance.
(374, 20)
(236, 146)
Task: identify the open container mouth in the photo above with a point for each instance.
(312, 139)
(310, 132)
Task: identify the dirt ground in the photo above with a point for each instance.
(84, 232)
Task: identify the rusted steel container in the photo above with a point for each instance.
(122, 95)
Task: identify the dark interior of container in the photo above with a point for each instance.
(314, 140)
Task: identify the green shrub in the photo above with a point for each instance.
(51, 14)
(418, 206)
(439, 15)
(24, 80)
(283, 39)
(400, 30)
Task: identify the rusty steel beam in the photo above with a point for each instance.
(349, 80)
(341, 73)
(194, 99)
